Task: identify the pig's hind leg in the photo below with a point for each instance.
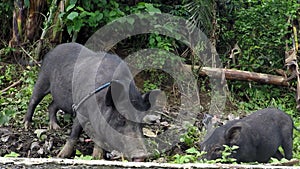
(278, 155)
(41, 89)
(53, 108)
(287, 145)
(287, 139)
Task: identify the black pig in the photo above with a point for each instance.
(70, 72)
(258, 136)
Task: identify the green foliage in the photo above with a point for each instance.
(77, 17)
(143, 7)
(14, 102)
(6, 8)
(226, 155)
(257, 96)
(201, 13)
(192, 155)
(12, 155)
(296, 141)
(8, 75)
(155, 79)
(261, 30)
(96, 13)
(276, 161)
(6, 115)
(148, 86)
(5, 51)
(80, 156)
(191, 137)
(161, 42)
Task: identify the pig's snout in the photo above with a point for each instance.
(139, 156)
(138, 159)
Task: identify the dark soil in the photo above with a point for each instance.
(31, 144)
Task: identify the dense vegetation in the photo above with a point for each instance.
(259, 31)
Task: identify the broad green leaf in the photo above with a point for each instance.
(70, 30)
(151, 8)
(80, 8)
(99, 16)
(192, 150)
(78, 153)
(72, 15)
(112, 13)
(70, 7)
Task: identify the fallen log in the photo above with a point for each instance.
(232, 74)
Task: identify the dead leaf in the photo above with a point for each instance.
(149, 133)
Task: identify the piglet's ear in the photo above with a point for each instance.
(232, 135)
(150, 98)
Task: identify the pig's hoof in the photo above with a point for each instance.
(53, 126)
(97, 152)
(67, 150)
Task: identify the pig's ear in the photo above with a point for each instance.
(150, 98)
(232, 135)
(114, 92)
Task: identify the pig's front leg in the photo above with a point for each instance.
(68, 148)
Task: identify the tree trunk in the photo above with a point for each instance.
(18, 21)
(34, 19)
(31, 24)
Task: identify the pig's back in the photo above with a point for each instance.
(58, 66)
(268, 117)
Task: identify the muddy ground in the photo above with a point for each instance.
(38, 142)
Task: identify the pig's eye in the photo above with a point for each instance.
(217, 149)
